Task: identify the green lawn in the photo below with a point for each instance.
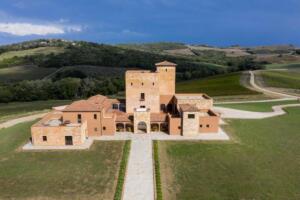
(85, 174)
(259, 107)
(18, 109)
(283, 66)
(281, 79)
(262, 162)
(220, 85)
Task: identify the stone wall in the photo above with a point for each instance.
(138, 82)
(56, 134)
(190, 126)
(209, 124)
(141, 116)
(199, 103)
(166, 77)
(175, 126)
(93, 125)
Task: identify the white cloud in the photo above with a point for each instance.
(24, 29)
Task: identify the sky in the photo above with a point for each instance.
(211, 22)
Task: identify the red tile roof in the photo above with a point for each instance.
(83, 105)
(158, 117)
(92, 104)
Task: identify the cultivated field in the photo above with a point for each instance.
(30, 52)
(220, 85)
(262, 162)
(19, 109)
(86, 174)
(19, 73)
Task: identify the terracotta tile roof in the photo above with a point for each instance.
(98, 99)
(158, 117)
(188, 108)
(166, 63)
(165, 99)
(83, 105)
(122, 116)
(92, 104)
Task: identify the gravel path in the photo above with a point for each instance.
(267, 91)
(21, 120)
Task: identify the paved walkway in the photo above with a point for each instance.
(241, 114)
(139, 180)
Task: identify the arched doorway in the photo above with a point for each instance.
(142, 127)
(154, 127)
(120, 127)
(129, 127)
(164, 127)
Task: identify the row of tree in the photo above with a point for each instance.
(68, 88)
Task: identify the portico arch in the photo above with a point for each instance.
(142, 127)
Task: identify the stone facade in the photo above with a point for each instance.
(141, 119)
(150, 105)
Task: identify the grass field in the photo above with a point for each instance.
(18, 109)
(259, 107)
(281, 79)
(220, 85)
(262, 162)
(19, 73)
(86, 174)
(283, 66)
(30, 52)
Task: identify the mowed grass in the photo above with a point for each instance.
(220, 85)
(258, 107)
(19, 73)
(83, 174)
(262, 162)
(283, 66)
(18, 109)
(281, 79)
(30, 52)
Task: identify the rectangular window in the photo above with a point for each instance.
(162, 107)
(95, 116)
(142, 97)
(142, 106)
(207, 125)
(44, 138)
(115, 106)
(79, 118)
(104, 128)
(200, 125)
(179, 127)
(191, 116)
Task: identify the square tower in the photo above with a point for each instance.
(166, 77)
(142, 90)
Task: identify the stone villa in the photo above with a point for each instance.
(151, 105)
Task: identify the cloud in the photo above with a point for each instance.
(25, 29)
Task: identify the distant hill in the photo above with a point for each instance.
(60, 69)
(194, 61)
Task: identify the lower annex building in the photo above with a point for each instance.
(151, 105)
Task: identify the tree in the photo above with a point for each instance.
(68, 88)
